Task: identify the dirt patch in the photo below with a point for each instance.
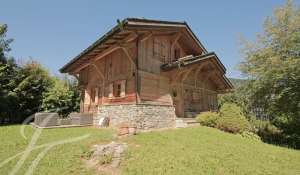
(107, 158)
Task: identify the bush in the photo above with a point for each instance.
(269, 133)
(251, 136)
(208, 119)
(62, 97)
(232, 119)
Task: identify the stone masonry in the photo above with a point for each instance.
(143, 116)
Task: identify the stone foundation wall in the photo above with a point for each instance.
(143, 116)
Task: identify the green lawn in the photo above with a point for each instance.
(197, 150)
(202, 150)
(61, 159)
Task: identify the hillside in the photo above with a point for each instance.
(202, 150)
(197, 150)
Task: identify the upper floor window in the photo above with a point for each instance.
(176, 53)
(160, 50)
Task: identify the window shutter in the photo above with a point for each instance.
(96, 96)
(87, 99)
(111, 90)
(123, 88)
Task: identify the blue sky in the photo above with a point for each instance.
(55, 31)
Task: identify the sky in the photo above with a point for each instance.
(55, 31)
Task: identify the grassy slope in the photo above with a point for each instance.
(61, 159)
(197, 150)
(204, 150)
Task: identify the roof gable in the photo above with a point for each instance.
(122, 31)
(200, 59)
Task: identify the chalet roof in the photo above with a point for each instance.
(190, 60)
(116, 33)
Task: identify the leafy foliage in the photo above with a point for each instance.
(208, 119)
(232, 119)
(272, 65)
(237, 82)
(250, 135)
(62, 97)
(8, 74)
(32, 81)
(4, 43)
(26, 89)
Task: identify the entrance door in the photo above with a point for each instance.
(178, 102)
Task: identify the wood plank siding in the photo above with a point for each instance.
(149, 62)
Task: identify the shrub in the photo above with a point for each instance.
(208, 119)
(232, 119)
(269, 133)
(61, 97)
(251, 136)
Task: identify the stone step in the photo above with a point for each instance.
(180, 123)
(186, 122)
(190, 114)
(190, 120)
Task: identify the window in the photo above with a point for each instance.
(118, 90)
(176, 53)
(93, 95)
(160, 50)
(111, 89)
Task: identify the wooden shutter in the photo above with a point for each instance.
(87, 99)
(96, 96)
(123, 88)
(111, 91)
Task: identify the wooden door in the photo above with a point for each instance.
(178, 102)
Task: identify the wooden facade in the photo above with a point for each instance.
(149, 62)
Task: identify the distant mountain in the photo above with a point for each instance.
(236, 82)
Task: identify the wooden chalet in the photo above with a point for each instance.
(152, 65)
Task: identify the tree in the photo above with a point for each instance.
(27, 89)
(4, 43)
(8, 72)
(272, 64)
(31, 82)
(62, 97)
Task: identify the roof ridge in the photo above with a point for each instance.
(153, 20)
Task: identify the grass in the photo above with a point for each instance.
(202, 150)
(198, 150)
(61, 159)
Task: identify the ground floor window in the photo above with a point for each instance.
(117, 89)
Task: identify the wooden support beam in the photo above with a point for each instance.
(176, 77)
(130, 37)
(147, 36)
(192, 69)
(128, 55)
(101, 75)
(176, 38)
(173, 42)
(198, 70)
(109, 49)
